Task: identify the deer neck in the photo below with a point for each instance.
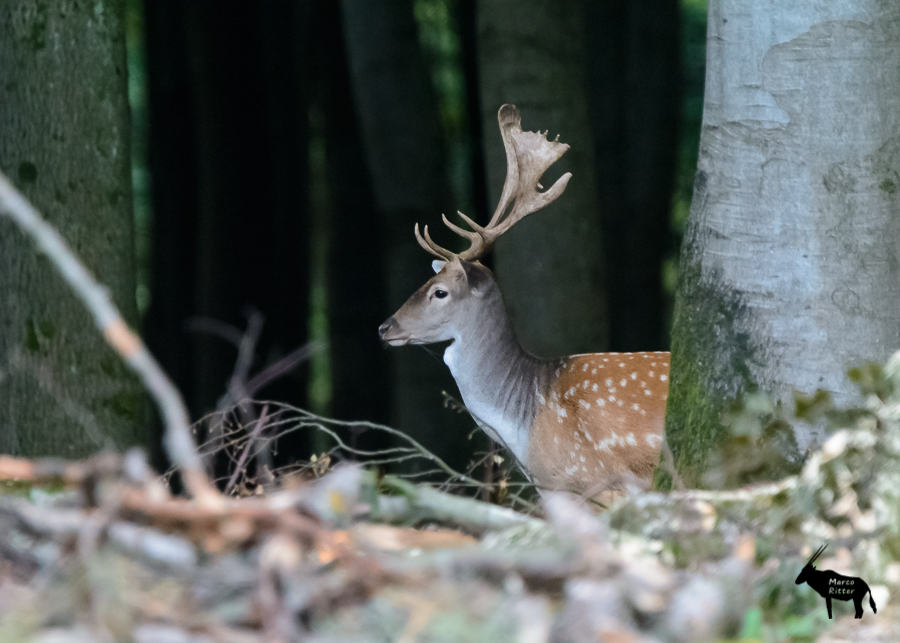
(498, 379)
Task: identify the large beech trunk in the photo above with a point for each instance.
(790, 270)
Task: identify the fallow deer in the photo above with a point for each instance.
(584, 423)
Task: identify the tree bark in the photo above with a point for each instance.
(64, 140)
(549, 265)
(790, 270)
(405, 154)
(633, 71)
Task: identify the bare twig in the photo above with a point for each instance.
(127, 344)
(251, 442)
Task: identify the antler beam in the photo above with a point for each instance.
(528, 156)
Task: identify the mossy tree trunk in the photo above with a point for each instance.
(550, 265)
(64, 140)
(790, 271)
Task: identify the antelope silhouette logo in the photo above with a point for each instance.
(829, 584)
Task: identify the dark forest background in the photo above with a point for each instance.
(282, 151)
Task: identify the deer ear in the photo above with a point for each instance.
(437, 265)
(477, 277)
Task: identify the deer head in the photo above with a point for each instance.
(463, 291)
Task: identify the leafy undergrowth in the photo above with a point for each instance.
(100, 550)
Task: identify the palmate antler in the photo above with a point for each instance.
(528, 156)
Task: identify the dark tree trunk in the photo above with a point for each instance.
(251, 113)
(172, 161)
(405, 157)
(64, 141)
(550, 266)
(633, 72)
(229, 161)
(356, 290)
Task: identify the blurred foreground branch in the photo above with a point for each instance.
(179, 444)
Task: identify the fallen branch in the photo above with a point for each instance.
(179, 444)
(419, 502)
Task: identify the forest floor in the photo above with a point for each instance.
(100, 550)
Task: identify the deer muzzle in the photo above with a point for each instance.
(391, 333)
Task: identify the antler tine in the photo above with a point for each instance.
(528, 155)
(431, 246)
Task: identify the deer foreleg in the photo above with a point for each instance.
(828, 605)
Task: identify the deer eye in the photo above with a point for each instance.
(440, 294)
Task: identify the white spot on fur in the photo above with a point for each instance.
(634, 376)
(620, 402)
(585, 366)
(542, 399)
(646, 391)
(586, 405)
(623, 382)
(653, 439)
(600, 401)
(635, 407)
(594, 371)
(663, 378)
(652, 363)
(572, 454)
(621, 364)
(609, 381)
(630, 439)
(570, 392)
(594, 388)
(651, 374)
(612, 398)
(561, 412)
(612, 389)
(555, 439)
(582, 458)
(605, 360)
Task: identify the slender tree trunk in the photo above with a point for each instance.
(790, 271)
(172, 161)
(64, 141)
(550, 265)
(398, 117)
(356, 292)
(634, 72)
(249, 76)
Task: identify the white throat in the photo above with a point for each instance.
(481, 403)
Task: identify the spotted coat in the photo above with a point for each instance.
(600, 422)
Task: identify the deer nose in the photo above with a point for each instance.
(385, 328)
